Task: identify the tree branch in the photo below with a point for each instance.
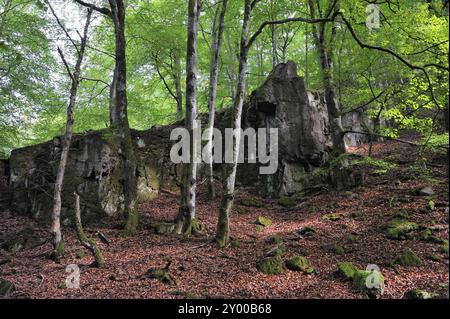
(102, 10)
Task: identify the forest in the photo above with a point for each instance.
(224, 149)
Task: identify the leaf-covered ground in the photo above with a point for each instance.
(203, 271)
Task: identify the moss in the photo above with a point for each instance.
(444, 248)
(249, 202)
(81, 254)
(299, 263)
(271, 265)
(433, 257)
(160, 274)
(287, 202)
(275, 239)
(356, 215)
(259, 228)
(339, 250)
(419, 294)
(59, 250)
(132, 222)
(234, 243)
(409, 259)
(278, 250)
(6, 287)
(346, 270)
(399, 228)
(369, 281)
(195, 228)
(263, 221)
(430, 204)
(62, 285)
(350, 238)
(331, 217)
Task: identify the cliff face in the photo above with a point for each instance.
(281, 102)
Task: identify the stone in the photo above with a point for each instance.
(371, 282)
(281, 102)
(249, 202)
(346, 270)
(299, 263)
(161, 274)
(263, 221)
(331, 217)
(419, 294)
(163, 228)
(287, 202)
(399, 228)
(338, 250)
(409, 259)
(25, 239)
(272, 265)
(426, 191)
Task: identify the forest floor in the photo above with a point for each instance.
(200, 270)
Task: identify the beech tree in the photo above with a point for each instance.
(118, 112)
(187, 202)
(58, 243)
(216, 44)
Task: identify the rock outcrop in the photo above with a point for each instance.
(281, 102)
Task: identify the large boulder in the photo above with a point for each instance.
(282, 102)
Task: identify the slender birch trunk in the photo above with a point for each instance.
(216, 44)
(187, 203)
(223, 225)
(58, 243)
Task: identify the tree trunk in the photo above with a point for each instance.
(178, 89)
(187, 203)
(84, 240)
(119, 119)
(58, 243)
(326, 67)
(232, 73)
(216, 44)
(223, 225)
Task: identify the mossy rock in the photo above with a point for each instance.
(163, 228)
(434, 257)
(306, 232)
(347, 270)
(259, 228)
(419, 294)
(399, 228)
(409, 259)
(6, 288)
(278, 250)
(275, 240)
(23, 240)
(368, 281)
(272, 265)
(331, 217)
(287, 202)
(299, 263)
(249, 202)
(263, 221)
(160, 274)
(339, 250)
